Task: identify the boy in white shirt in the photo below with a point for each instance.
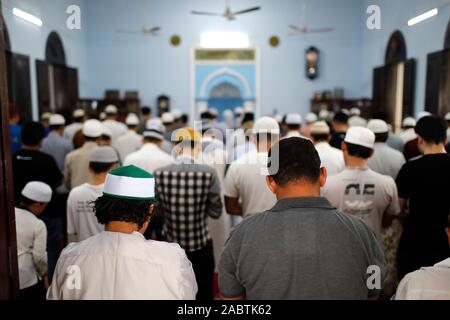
(81, 221)
(32, 240)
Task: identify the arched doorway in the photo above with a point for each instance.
(54, 50)
(396, 49)
(224, 96)
(447, 37)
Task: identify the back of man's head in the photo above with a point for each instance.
(432, 130)
(341, 118)
(298, 161)
(146, 111)
(32, 133)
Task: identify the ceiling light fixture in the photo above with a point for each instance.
(423, 17)
(224, 40)
(27, 17)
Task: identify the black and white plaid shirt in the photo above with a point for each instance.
(188, 192)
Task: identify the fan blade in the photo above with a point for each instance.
(320, 30)
(295, 28)
(247, 10)
(207, 13)
(155, 29)
(129, 31)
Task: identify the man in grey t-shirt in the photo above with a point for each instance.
(302, 248)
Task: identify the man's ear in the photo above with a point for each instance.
(271, 184)
(151, 209)
(323, 176)
(344, 146)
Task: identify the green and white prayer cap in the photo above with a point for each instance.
(131, 183)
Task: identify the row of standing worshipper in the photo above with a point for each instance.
(235, 258)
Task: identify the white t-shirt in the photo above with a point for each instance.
(149, 158)
(128, 143)
(119, 266)
(365, 194)
(386, 160)
(246, 179)
(81, 219)
(31, 248)
(332, 159)
(432, 283)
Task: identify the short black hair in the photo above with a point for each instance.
(206, 115)
(109, 209)
(78, 119)
(432, 129)
(56, 127)
(381, 137)
(32, 133)
(320, 137)
(152, 140)
(298, 160)
(25, 202)
(90, 139)
(100, 167)
(341, 117)
(184, 118)
(358, 151)
(294, 126)
(132, 126)
(146, 111)
(381, 115)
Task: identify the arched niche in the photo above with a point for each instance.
(447, 37)
(54, 50)
(396, 50)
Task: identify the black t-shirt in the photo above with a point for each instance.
(31, 165)
(336, 139)
(426, 183)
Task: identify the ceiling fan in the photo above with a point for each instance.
(228, 14)
(304, 29)
(147, 31)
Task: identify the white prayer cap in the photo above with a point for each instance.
(214, 111)
(266, 125)
(248, 107)
(92, 128)
(355, 112)
(378, 126)
(177, 113)
(409, 122)
(111, 109)
(78, 113)
(357, 121)
(155, 122)
(153, 131)
(323, 114)
(57, 120)
(167, 118)
(102, 116)
(132, 119)
(311, 117)
(238, 110)
(103, 154)
(320, 127)
(293, 119)
(447, 116)
(346, 111)
(46, 116)
(106, 132)
(361, 137)
(37, 191)
(423, 114)
(130, 183)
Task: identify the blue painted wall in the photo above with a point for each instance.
(421, 39)
(152, 66)
(30, 40)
